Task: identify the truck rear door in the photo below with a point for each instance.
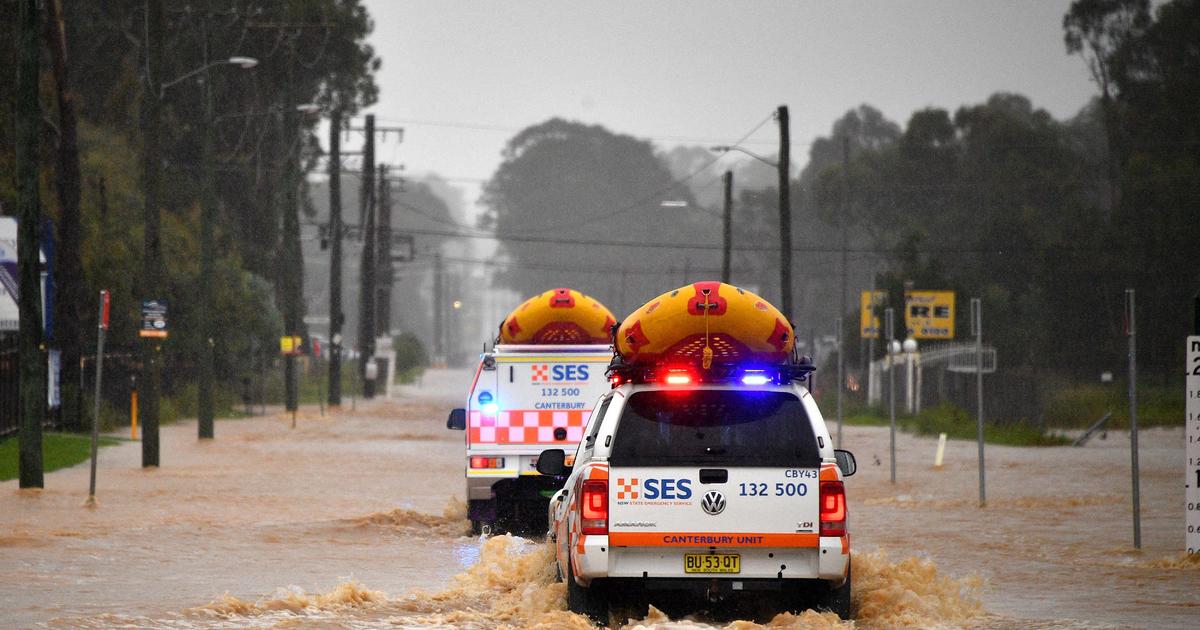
(542, 400)
(714, 467)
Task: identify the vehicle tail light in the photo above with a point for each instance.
(487, 462)
(833, 508)
(593, 507)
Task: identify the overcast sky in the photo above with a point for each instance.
(462, 77)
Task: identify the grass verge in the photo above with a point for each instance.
(958, 424)
(59, 450)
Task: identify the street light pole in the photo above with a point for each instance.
(727, 230)
(785, 214)
(208, 248)
(208, 217)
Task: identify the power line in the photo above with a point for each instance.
(476, 126)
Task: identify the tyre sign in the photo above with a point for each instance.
(1192, 471)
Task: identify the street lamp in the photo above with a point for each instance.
(726, 148)
(245, 63)
(208, 219)
(785, 206)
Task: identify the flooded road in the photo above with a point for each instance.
(356, 520)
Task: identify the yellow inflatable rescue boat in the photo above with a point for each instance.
(705, 323)
(558, 317)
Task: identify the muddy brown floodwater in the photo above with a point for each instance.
(356, 520)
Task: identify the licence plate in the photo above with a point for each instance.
(712, 563)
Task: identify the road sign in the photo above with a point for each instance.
(289, 344)
(929, 314)
(868, 326)
(1192, 440)
(154, 319)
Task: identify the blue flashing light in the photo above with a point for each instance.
(491, 409)
(755, 377)
(485, 398)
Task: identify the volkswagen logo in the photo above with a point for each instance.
(713, 503)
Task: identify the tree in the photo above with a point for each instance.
(562, 180)
(68, 272)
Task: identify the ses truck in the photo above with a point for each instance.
(523, 400)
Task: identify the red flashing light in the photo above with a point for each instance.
(593, 508)
(678, 377)
(487, 462)
(616, 380)
(833, 508)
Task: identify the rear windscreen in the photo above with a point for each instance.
(714, 428)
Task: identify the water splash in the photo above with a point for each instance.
(451, 522)
(1183, 561)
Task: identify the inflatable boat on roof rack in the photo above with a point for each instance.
(558, 317)
(735, 325)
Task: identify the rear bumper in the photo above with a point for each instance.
(827, 561)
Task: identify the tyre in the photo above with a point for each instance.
(837, 600)
(590, 601)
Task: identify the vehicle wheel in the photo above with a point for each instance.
(838, 599)
(590, 601)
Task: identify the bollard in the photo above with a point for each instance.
(941, 451)
(133, 414)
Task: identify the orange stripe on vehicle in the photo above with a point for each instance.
(845, 544)
(829, 472)
(597, 472)
(710, 539)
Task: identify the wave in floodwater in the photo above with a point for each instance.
(451, 522)
(514, 585)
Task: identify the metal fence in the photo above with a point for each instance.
(10, 382)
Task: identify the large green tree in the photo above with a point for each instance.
(563, 182)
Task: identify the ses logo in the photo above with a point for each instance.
(653, 489)
(545, 373)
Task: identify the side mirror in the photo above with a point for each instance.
(845, 461)
(552, 462)
(457, 420)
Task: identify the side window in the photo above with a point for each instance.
(589, 441)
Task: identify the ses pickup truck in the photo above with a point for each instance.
(710, 487)
(524, 398)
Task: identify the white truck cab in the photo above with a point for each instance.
(709, 483)
(523, 399)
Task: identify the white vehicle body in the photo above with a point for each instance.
(744, 522)
(525, 398)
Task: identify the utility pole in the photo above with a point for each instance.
(335, 257)
(727, 229)
(366, 302)
(292, 267)
(208, 217)
(840, 323)
(845, 237)
(152, 262)
(438, 310)
(785, 213)
(383, 301)
(32, 386)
